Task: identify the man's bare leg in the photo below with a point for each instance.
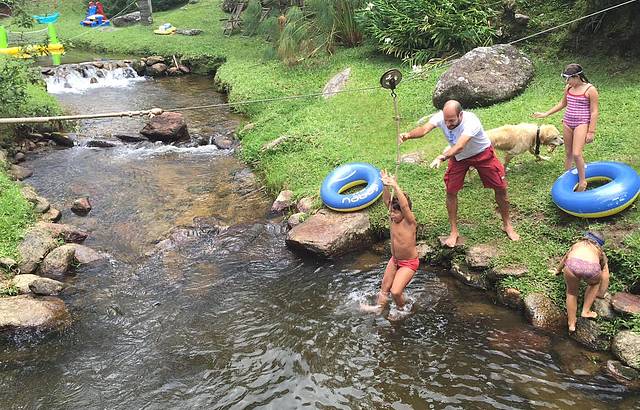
(503, 207)
(452, 211)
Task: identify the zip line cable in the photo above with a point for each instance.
(283, 98)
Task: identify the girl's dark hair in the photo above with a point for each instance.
(575, 69)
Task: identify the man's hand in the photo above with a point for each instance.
(403, 137)
(438, 161)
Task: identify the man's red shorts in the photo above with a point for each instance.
(488, 165)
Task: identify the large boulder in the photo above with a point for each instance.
(58, 262)
(126, 19)
(589, 333)
(84, 255)
(167, 127)
(19, 173)
(37, 243)
(28, 283)
(26, 313)
(626, 347)
(330, 234)
(484, 76)
(541, 312)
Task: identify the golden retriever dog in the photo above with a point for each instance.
(516, 139)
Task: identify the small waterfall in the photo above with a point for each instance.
(79, 78)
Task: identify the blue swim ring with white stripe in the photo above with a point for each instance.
(347, 176)
(621, 189)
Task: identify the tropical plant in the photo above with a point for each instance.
(419, 30)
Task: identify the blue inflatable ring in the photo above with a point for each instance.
(347, 176)
(621, 189)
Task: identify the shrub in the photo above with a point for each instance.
(419, 30)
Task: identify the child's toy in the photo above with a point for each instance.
(52, 47)
(622, 188)
(95, 16)
(165, 29)
(347, 176)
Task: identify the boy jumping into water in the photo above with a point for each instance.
(404, 260)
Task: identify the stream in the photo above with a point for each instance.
(231, 319)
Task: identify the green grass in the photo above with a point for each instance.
(16, 214)
(359, 126)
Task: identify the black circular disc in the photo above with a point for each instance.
(391, 79)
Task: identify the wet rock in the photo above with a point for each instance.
(184, 69)
(577, 361)
(541, 312)
(625, 375)
(283, 202)
(626, 347)
(68, 233)
(479, 256)
(139, 67)
(7, 263)
(245, 181)
(81, 206)
(46, 287)
(36, 244)
(167, 127)
(468, 276)
(19, 173)
(589, 333)
(174, 71)
(336, 84)
(58, 262)
(511, 298)
(626, 303)
(29, 194)
(62, 140)
(189, 31)
(223, 141)
(100, 144)
(305, 205)
(26, 313)
(19, 157)
(52, 215)
(275, 143)
(156, 70)
(131, 138)
(42, 205)
(296, 219)
(485, 76)
(603, 308)
(412, 158)
(153, 60)
(84, 255)
(330, 234)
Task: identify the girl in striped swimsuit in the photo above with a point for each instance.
(580, 118)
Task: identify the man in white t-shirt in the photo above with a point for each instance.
(469, 146)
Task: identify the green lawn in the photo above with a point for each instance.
(360, 127)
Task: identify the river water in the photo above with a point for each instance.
(232, 319)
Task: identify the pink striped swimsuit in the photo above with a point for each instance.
(578, 109)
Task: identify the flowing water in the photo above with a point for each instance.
(230, 319)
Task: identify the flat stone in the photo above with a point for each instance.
(68, 233)
(26, 313)
(19, 173)
(511, 298)
(480, 256)
(154, 60)
(275, 143)
(626, 303)
(52, 215)
(329, 234)
(541, 312)
(336, 84)
(589, 333)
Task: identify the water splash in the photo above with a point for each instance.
(80, 78)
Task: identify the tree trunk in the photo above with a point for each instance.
(146, 17)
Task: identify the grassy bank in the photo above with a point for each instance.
(359, 127)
